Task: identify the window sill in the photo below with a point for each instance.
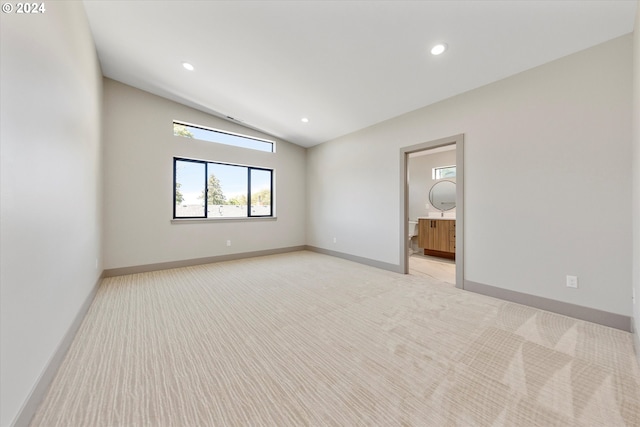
(232, 219)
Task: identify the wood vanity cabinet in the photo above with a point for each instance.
(437, 237)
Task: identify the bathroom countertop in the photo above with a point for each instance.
(437, 217)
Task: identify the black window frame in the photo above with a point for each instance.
(212, 131)
(206, 189)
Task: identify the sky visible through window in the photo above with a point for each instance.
(443, 172)
(228, 139)
(233, 180)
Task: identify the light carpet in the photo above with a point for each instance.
(304, 339)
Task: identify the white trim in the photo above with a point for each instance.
(458, 140)
(222, 219)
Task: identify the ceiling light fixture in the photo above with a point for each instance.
(438, 49)
(305, 120)
(187, 66)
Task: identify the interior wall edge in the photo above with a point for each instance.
(40, 388)
(605, 318)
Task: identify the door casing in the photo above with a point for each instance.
(458, 140)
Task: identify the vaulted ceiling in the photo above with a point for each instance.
(344, 65)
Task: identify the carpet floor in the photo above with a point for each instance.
(304, 339)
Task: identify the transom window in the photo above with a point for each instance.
(203, 189)
(443, 172)
(221, 137)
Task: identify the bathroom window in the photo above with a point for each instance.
(443, 172)
(222, 137)
(203, 189)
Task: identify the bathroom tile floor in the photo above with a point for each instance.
(440, 269)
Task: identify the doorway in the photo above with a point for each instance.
(416, 207)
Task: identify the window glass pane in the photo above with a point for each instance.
(260, 192)
(212, 135)
(216, 190)
(189, 183)
(227, 191)
(444, 172)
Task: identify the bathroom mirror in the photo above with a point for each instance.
(443, 195)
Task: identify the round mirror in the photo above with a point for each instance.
(443, 195)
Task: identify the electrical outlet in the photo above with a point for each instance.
(335, 240)
(228, 242)
(572, 281)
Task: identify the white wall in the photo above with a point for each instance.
(636, 176)
(547, 180)
(51, 189)
(420, 181)
(139, 151)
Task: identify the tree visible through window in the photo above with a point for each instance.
(222, 137)
(179, 197)
(218, 190)
(215, 196)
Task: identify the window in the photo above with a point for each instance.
(212, 135)
(443, 172)
(204, 189)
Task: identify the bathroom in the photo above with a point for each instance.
(430, 207)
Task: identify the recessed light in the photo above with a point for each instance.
(438, 49)
(187, 66)
(305, 120)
